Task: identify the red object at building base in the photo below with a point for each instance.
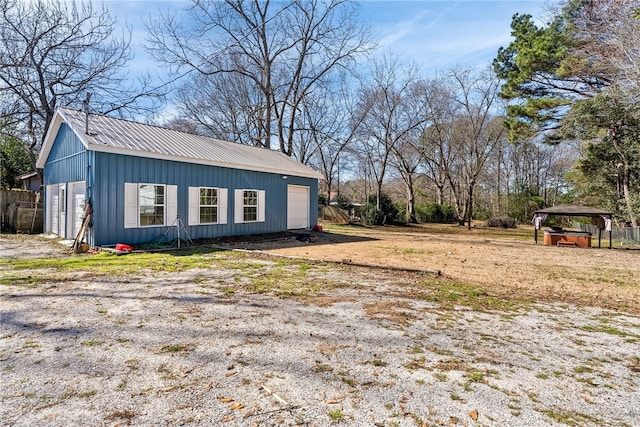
(317, 227)
(123, 247)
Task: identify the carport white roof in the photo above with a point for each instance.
(112, 135)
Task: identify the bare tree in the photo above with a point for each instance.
(609, 35)
(391, 114)
(53, 53)
(478, 130)
(436, 145)
(222, 106)
(329, 125)
(408, 153)
(610, 32)
(274, 54)
(407, 160)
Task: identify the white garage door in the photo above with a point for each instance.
(297, 207)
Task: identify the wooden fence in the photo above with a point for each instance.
(20, 211)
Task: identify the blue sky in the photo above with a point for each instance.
(435, 34)
(443, 34)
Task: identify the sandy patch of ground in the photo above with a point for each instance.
(504, 266)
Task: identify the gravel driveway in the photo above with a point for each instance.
(365, 348)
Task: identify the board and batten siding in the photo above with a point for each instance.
(112, 171)
(67, 160)
(67, 163)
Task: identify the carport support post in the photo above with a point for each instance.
(535, 234)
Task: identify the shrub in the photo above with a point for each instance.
(323, 200)
(342, 202)
(385, 215)
(402, 215)
(433, 212)
(502, 222)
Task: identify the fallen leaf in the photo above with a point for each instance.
(207, 386)
(227, 419)
(473, 414)
(332, 401)
(225, 399)
(237, 406)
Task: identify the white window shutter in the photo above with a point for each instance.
(171, 203)
(261, 198)
(194, 205)
(222, 205)
(238, 208)
(130, 205)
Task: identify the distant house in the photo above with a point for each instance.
(30, 181)
(140, 179)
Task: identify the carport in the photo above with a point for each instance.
(599, 217)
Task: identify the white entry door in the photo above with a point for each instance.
(62, 217)
(77, 206)
(53, 209)
(297, 207)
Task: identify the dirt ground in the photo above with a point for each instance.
(246, 339)
(504, 265)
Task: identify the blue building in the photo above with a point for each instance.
(141, 179)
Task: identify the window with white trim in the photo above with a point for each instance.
(207, 205)
(249, 205)
(63, 199)
(150, 205)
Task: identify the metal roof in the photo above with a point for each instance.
(573, 210)
(112, 135)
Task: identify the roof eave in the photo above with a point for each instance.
(572, 210)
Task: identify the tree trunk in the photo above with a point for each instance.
(411, 199)
(470, 205)
(624, 169)
(627, 197)
(440, 194)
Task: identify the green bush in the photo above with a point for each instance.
(402, 216)
(385, 215)
(433, 212)
(342, 202)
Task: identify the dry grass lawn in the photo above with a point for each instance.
(505, 263)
